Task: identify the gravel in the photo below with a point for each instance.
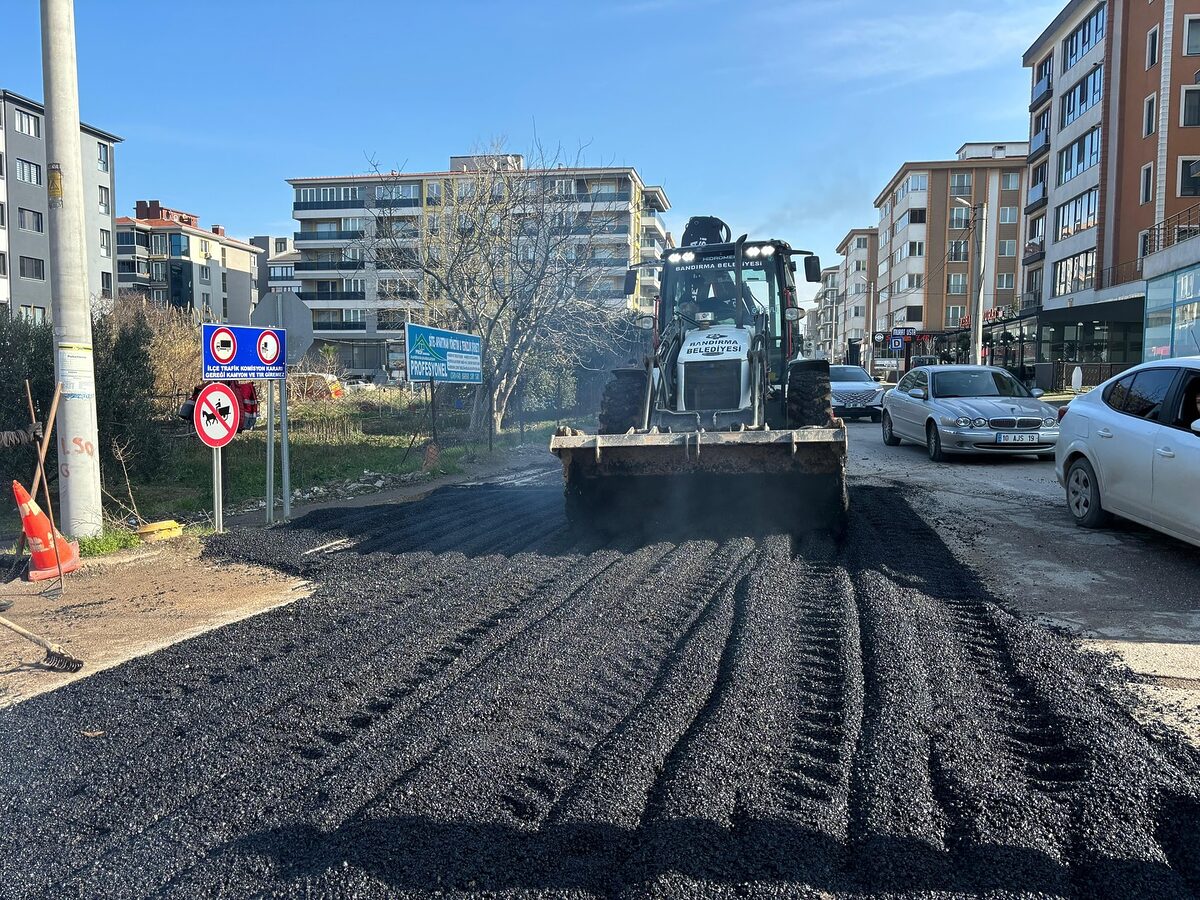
(479, 701)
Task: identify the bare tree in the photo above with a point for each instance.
(506, 249)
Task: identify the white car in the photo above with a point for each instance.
(1131, 448)
(855, 393)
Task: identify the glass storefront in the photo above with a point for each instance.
(1172, 326)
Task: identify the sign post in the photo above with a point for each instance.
(238, 353)
(435, 354)
(217, 415)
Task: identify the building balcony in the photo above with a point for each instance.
(590, 229)
(1036, 199)
(328, 265)
(1041, 92)
(398, 203)
(310, 236)
(603, 197)
(1031, 300)
(339, 326)
(1039, 145)
(303, 205)
(1035, 252)
(309, 296)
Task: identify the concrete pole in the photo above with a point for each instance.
(78, 441)
(977, 310)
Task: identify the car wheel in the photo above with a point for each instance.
(933, 443)
(1083, 495)
(889, 436)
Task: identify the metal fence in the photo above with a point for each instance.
(1093, 373)
(1171, 231)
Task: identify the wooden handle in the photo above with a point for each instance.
(28, 635)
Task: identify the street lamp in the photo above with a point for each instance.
(977, 304)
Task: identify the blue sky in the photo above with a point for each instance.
(780, 117)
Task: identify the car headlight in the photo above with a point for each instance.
(979, 423)
(962, 422)
(768, 250)
(752, 252)
(1049, 422)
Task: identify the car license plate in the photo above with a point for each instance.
(1011, 437)
(853, 406)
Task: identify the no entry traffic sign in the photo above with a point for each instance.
(268, 347)
(217, 415)
(222, 344)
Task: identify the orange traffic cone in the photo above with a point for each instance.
(48, 550)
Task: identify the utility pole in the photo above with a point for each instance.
(78, 440)
(977, 304)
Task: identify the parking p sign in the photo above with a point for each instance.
(240, 352)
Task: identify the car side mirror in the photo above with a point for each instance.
(812, 269)
(630, 282)
(877, 377)
(918, 394)
(1196, 426)
(1037, 392)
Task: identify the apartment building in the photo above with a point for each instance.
(1115, 125)
(165, 254)
(932, 216)
(361, 309)
(856, 275)
(277, 264)
(24, 208)
(827, 333)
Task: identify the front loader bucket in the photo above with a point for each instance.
(797, 474)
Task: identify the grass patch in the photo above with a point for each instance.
(109, 541)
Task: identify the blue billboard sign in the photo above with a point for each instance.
(434, 354)
(242, 352)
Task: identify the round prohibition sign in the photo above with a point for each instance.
(223, 346)
(268, 348)
(217, 415)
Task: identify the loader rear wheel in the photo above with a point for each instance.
(809, 396)
(624, 397)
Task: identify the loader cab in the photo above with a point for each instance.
(699, 291)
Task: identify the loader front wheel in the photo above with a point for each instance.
(809, 396)
(623, 402)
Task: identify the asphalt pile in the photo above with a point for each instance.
(479, 700)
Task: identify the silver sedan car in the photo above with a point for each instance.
(969, 409)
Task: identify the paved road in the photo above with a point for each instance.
(479, 700)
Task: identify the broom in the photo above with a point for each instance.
(18, 559)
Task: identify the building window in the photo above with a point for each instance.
(105, 242)
(30, 173)
(159, 296)
(955, 314)
(1083, 96)
(30, 220)
(1085, 37)
(204, 247)
(1008, 248)
(1147, 182)
(1004, 280)
(205, 274)
(1076, 215)
(3, 265)
(1191, 35)
(960, 184)
(281, 272)
(1149, 115)
(3, 221)
(102, 157)
(1010, 181)
(860, 243)
(180, 245)
(225, 282)
(1075, 273)
(958, 251)
(1143, 244)
(28, 123)
(1080, 156)
(1189, 108)
(1152, 47)
(158, 271)
(956, 283)
(1008, 215)
(106, 285)
(281, 245)
(1189, 178)
(33, 268)
(105, 201)
(912, 282)
(960, 217)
